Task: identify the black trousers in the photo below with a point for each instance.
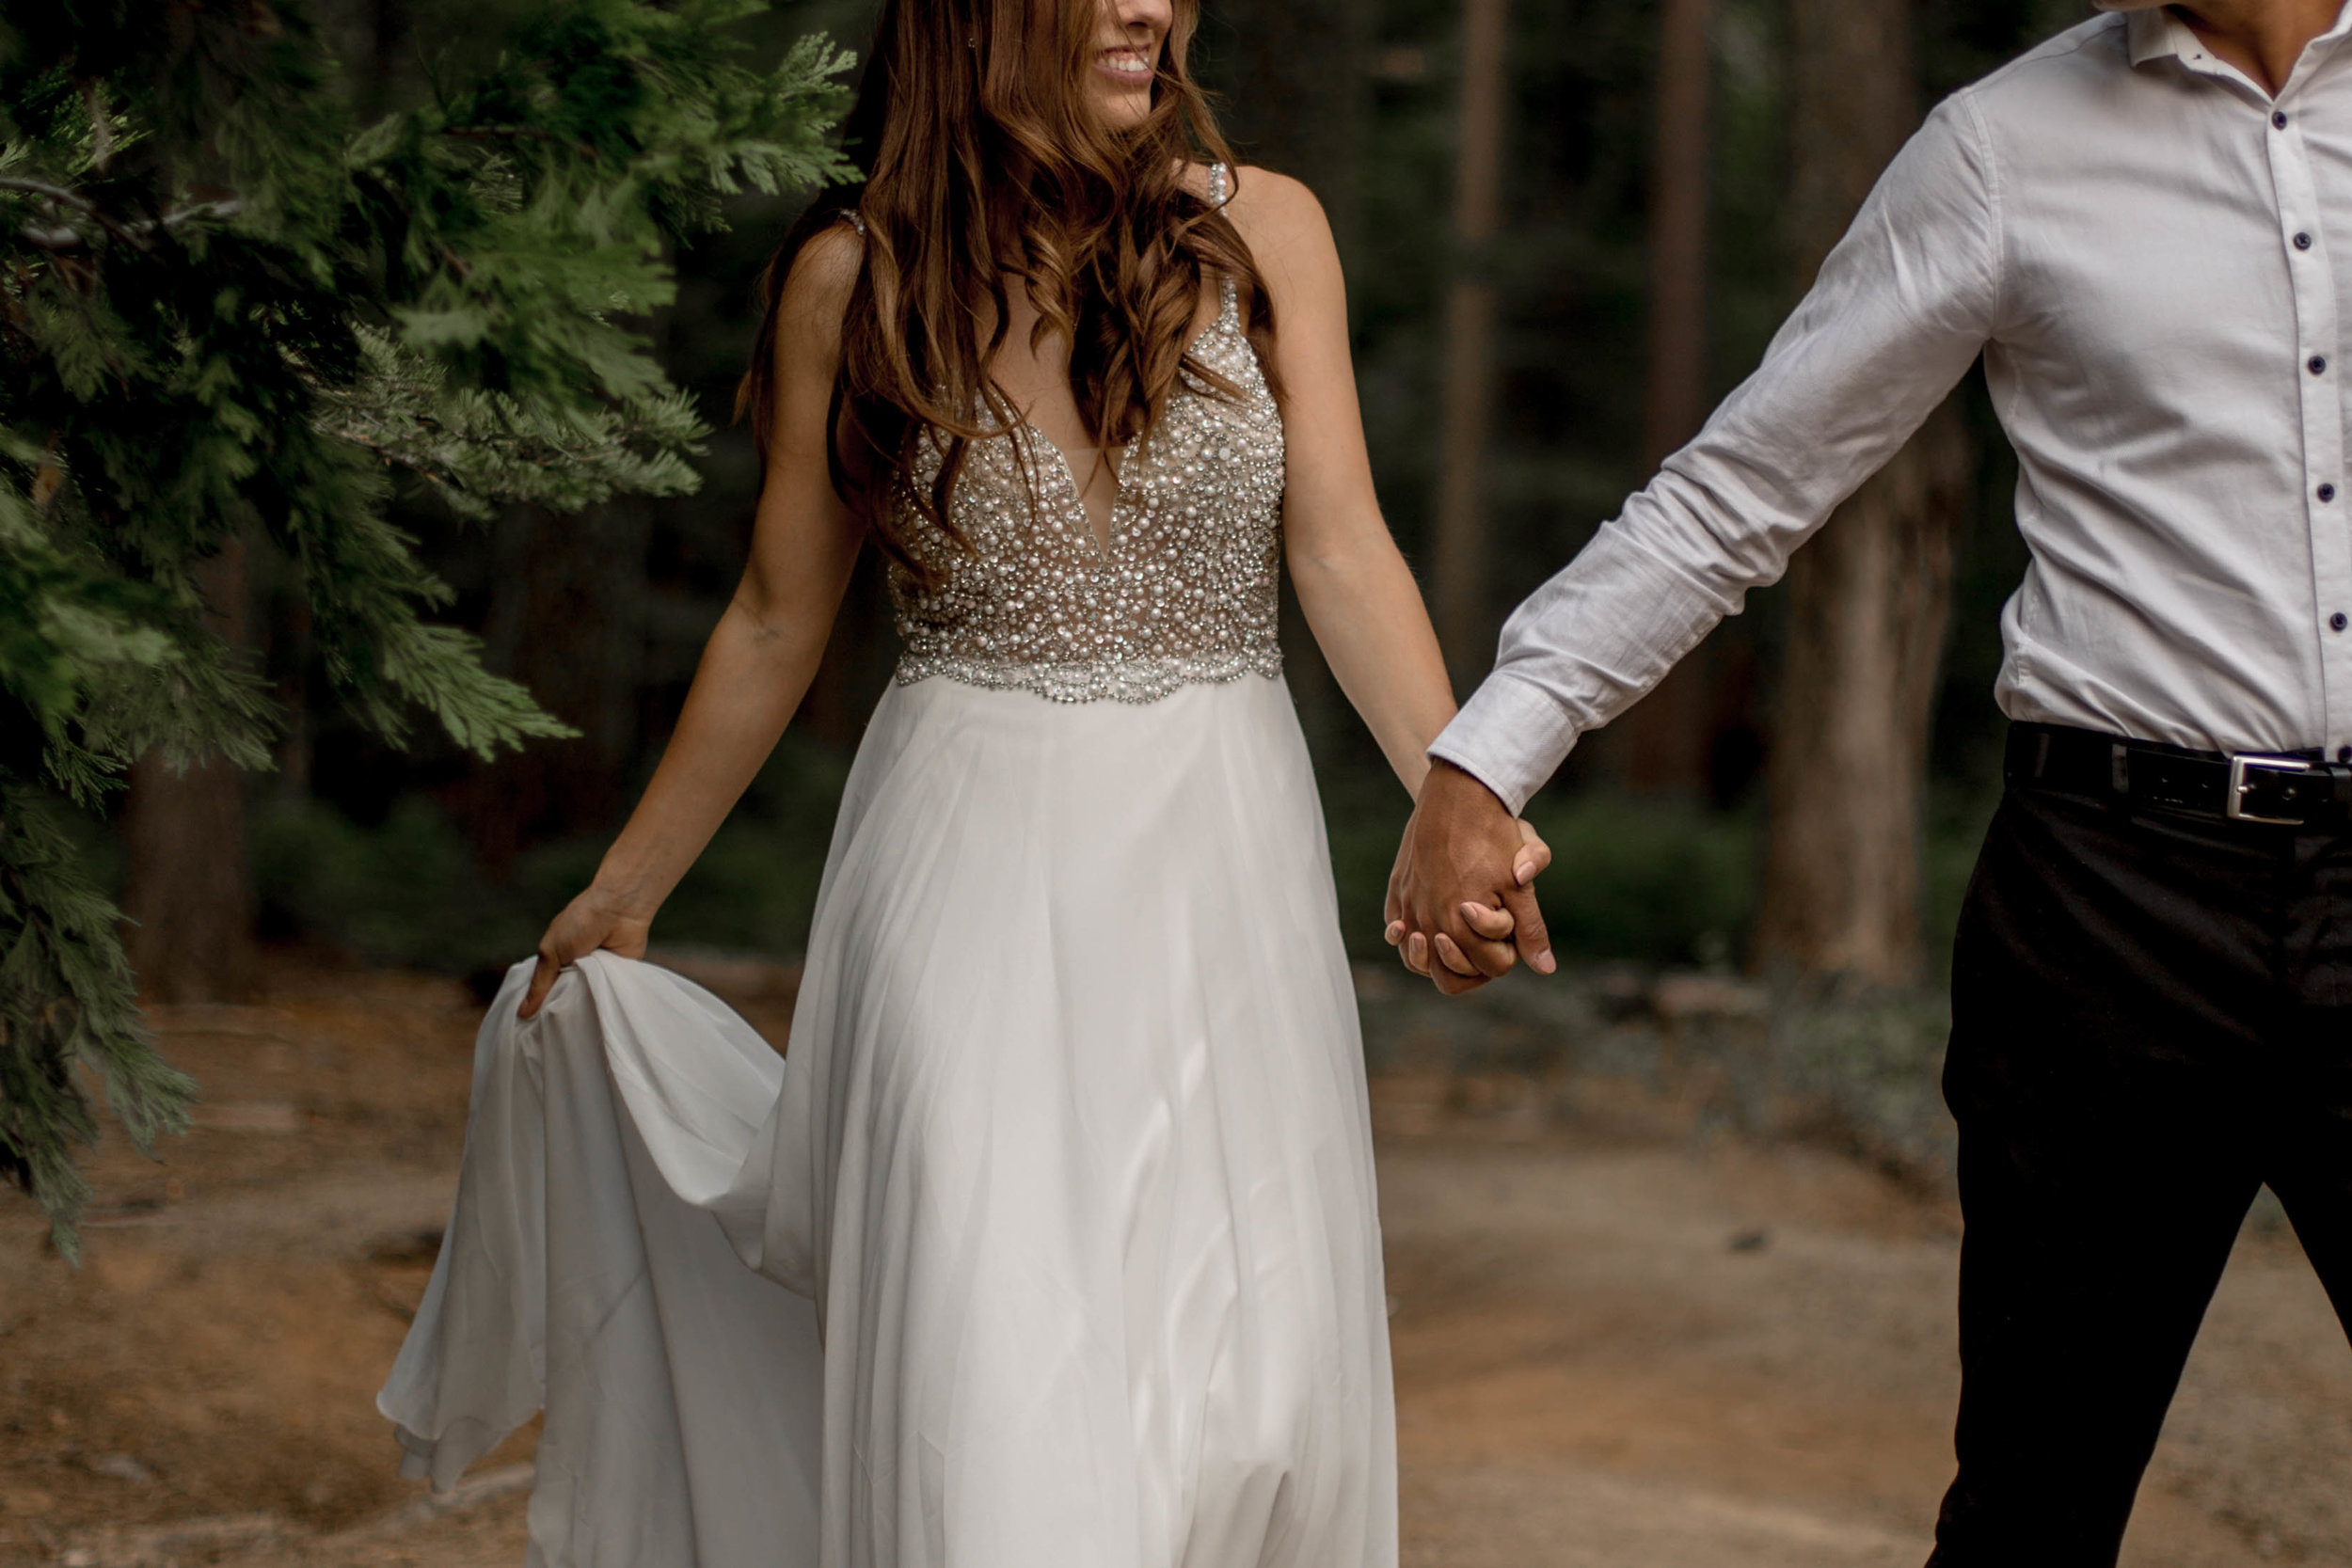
(2152, 1017)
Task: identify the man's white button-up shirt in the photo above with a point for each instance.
(2143, 243)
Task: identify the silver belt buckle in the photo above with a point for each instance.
(2243, 763)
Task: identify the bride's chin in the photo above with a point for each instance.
(1124, 111)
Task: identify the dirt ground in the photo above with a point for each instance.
(1616, 1345)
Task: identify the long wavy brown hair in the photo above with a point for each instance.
(986, 166)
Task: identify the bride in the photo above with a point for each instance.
(1053, 1241)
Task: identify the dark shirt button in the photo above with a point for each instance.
(2327, 492)
(2339, 620)
(2317, 364)
(2279, 120)
(2302, 242)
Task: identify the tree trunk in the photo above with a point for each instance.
(187, 890)
(567, 618)
(1667, 732)
(1868, 604)
(1870, 597)
(1674, 401)
(1459, 556)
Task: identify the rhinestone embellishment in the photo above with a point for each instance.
(1185, 593)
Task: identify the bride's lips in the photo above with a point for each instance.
(1128, 67)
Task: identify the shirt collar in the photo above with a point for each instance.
(2157, 34)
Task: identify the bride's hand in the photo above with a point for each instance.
(1535, 856)
(592, 921)
(1533, 861)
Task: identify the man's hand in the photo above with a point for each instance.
(1459, 906)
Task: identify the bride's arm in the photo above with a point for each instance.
(1358, 596)
(762, 654)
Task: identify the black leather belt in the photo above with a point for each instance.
(2284, 790)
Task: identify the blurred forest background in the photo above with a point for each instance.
(1569, 226)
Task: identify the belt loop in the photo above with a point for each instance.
(2040, 756)
(2120, 770)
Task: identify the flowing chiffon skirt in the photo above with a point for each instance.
(1053, 1241)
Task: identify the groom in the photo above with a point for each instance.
(2137, 226)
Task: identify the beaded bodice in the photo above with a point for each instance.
(1185, 592)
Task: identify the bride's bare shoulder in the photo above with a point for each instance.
(1276, 216)
(826, 269)
(816, 297)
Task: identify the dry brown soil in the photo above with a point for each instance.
(1615, 1347)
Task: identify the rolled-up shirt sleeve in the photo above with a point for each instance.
(1899, 311)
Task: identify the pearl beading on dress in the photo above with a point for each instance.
(1186, 591)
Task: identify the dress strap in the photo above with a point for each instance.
(1229, 313)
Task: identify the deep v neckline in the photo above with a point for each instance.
(1107, 537)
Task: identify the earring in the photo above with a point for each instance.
(973, 43)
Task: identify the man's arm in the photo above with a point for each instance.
(1899, 311)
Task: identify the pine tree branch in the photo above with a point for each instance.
(57, 193)
(101, 126)
(56, 241)
(226, 208)
(478, 448)
(479, 319)
(518, 133)
(63, 240)
(63, 198)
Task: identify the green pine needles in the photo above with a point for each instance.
(229, 312)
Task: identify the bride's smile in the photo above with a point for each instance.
(1125, 63)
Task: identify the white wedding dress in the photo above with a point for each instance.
(1053, 1243)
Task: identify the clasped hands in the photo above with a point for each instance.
(1461, 906)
